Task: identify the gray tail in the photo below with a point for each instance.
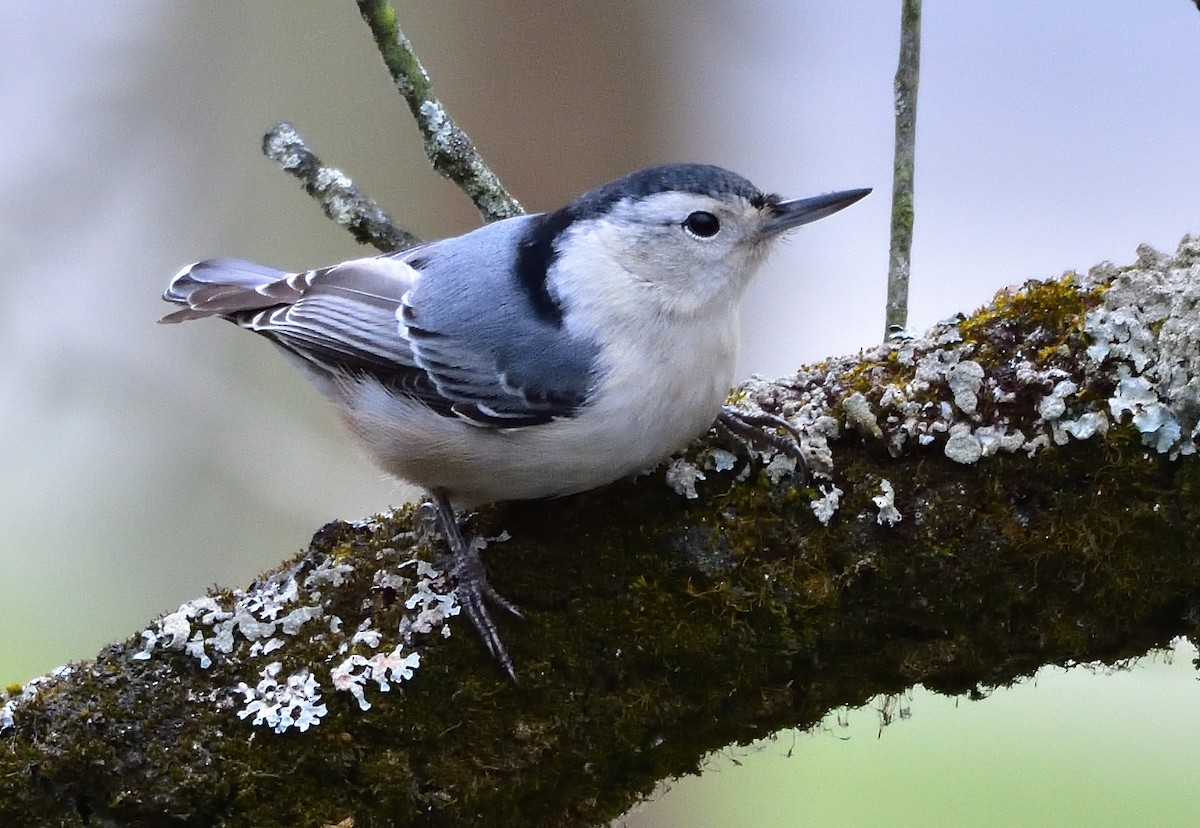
(225, 287)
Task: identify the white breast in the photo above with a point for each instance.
(657, 392)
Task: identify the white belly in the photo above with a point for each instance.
(650, 403)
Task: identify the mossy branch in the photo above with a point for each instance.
(660, 627)
(1017, 489)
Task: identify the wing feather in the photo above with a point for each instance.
(452, 331)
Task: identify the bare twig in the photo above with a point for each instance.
(341, 200)
(450, 150)
(907, 76)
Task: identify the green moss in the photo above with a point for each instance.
(1035, 321)
(657, 629)
(638, 655)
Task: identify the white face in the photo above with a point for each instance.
(678, 253)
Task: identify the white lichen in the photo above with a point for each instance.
(366, 635)
(859, 415)
(825, 506)
(1054, 405)
(817, 432)
(434, 602)
(201, 624)
(779, 467)
(997, 438)
(440, 131)
(964, 380)
(332, 573)
(1149, 325)
(1152, 417)
(682, 477)
(885, 501)
(963, 446)
(719, 460)
(1082, 428)
(296, 703)
(353, 673)
(263, 620)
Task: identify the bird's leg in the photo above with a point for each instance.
(474, 591)
(747, 428)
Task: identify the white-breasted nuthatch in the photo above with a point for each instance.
(537, 356)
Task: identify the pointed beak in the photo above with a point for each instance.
(787, 215)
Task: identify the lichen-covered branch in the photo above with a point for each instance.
(338, 196)
(1017, 488)
(908, 73)
(450, 150)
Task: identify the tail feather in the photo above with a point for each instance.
(225, 287)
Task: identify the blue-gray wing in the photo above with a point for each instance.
(446, 323)
(479, 328)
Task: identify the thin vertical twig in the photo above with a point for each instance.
(907, 77)
(449, 149)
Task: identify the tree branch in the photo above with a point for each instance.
(449, 149)
(908, 74)
(338, 196)
(1018, 488)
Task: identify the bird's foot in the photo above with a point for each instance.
(474, 591)
(745, 429)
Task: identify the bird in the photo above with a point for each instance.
(533, 357)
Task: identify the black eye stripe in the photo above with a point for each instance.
(702, 224)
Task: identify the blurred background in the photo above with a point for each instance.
(143, 463)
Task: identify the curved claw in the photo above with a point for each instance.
(474, 591)
(755, 428)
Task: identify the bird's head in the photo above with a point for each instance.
(678, 239)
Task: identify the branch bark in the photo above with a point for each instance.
(339, 197)
(908, 73)
(449, 149)
(1040, 505)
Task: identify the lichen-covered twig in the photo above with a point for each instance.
(450, 150)
(338, 196)
(907, 76)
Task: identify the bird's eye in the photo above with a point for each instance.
(702, 224)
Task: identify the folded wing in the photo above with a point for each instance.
(427, 323)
